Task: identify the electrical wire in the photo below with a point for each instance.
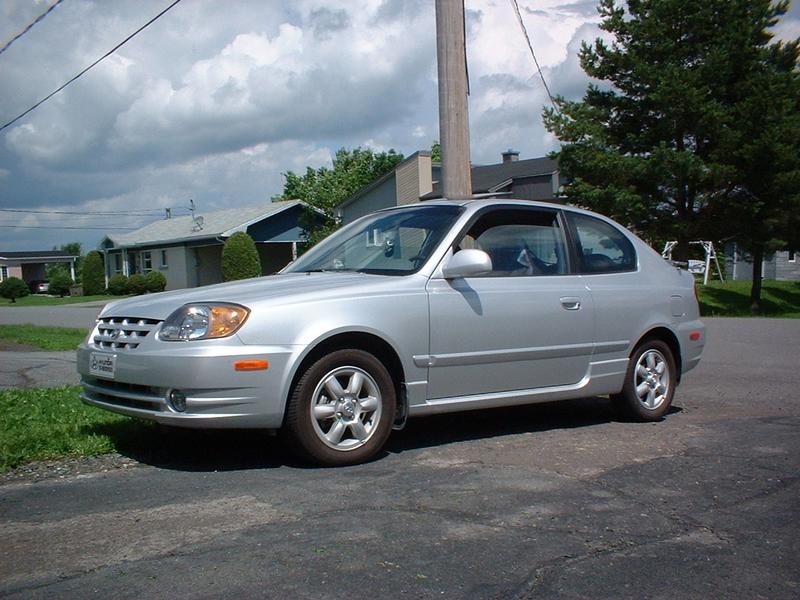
(140, 213)
(533, 54)
(29, 26)
(106, 55)
(65, 227)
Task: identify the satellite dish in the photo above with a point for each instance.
(198, 223)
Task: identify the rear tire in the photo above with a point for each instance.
(649, 383)
(341, 410)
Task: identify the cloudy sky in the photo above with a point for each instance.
(218, 98)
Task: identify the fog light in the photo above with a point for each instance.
(176, 400)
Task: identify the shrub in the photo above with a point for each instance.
(154, 281)
(60, 282)
(118, 285)
(137, 284)
(240, 258)
(94, 279)
(13, 288)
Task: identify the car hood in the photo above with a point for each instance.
(272, 289)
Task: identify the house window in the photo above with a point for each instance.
(792, 256)
(164, 264)
(147, 262)
(118, 263)
(3, 273)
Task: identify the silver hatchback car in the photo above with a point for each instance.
(428, 308)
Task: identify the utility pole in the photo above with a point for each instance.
(453, 109)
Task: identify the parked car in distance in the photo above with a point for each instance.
(39, 286)
(428, 308)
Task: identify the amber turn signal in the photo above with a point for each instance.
(251, 365)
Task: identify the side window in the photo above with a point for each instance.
(602, 248)
(520, 242)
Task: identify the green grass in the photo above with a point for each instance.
(46, 338)
(52, 423)
(41, 300)
(732, 299)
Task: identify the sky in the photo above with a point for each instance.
(216, 100)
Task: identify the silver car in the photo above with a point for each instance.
(429, 308)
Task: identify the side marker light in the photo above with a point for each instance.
(251, 365)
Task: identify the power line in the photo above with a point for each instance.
(533, 54)
(30, 26)
(148, 212)
(106, 55)
(63, 227)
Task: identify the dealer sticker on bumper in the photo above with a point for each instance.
(102, 365)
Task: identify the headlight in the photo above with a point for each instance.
(203, 322)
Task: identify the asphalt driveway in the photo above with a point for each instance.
(23, 369)
(551, 501)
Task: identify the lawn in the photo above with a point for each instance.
(51, 423)
(46, 338)
(42, 300)
(732, 299)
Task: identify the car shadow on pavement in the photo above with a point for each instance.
(194, 449)
(235, 450)
(443, 429)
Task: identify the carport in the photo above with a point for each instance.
(31, 266)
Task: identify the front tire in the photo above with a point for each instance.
(341, 410)
(649, 383)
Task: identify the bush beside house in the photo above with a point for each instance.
(13, 288)
(240, 258)
(155, 281)
(118, 285)
(94, 281)
(60, 282)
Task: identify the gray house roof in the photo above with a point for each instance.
(491, 178)
(216, 224)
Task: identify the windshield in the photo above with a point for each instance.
(394, 242)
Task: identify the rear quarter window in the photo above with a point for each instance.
(601, 247)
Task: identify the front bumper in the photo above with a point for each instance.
(217, 395)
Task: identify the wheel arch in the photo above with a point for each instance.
(357, 340)
(667, 336)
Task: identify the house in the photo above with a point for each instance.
(418, 178)
(32, 266)
(782, 265)
(188, 249)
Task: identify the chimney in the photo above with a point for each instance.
(510, 156)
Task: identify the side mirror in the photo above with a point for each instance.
(467, 263)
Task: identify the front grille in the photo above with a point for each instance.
(122, 333)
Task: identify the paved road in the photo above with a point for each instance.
(552, 501)
(43, 369)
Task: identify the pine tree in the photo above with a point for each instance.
(671, 137)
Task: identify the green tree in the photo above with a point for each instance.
(13, 288)
(325, 188)
(75, 249)
(651, 143)
(764, 150)
(436, 152)
(93, 278)
(240, 258)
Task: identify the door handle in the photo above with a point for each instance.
(571, 303)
